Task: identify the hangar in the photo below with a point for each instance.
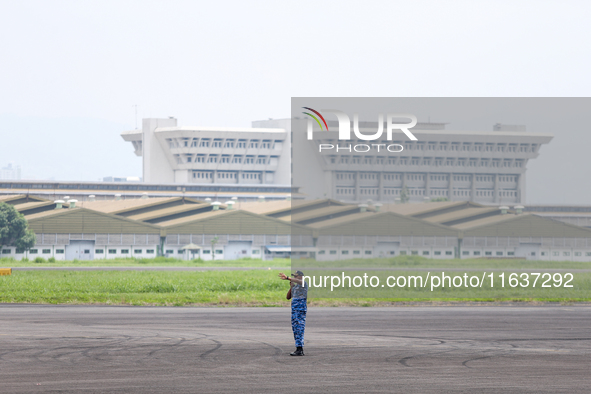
(323, 229)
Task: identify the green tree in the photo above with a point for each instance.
(14, 229)
(404, 195)
(214, 241)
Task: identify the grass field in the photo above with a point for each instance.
(395, 262)
(227, 288)
(155, 262)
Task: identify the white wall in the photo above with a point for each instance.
(156, 168)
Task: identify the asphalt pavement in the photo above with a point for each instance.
(419, 349)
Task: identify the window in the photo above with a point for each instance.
(513, 253)
(59, 251)
(403, 252)
(150, 251)
(219, 251)
(368, 252)
(99, 251)
(448, 253)
(499, 253)
(465, 253)
(6, 251)
(256, 251)
(543, 253)
(112, 251)
(333, 252)
(587, 253)
(356, 252)
(322, 252)
(477, 253)
(578, 254)
(437, 253)
(206, 251)
(555, 254)
(33, 251)
(425, 253)
(414, 252)
(139, 251)
(46, 251)
(124, 251)
(566, 253)
(345, 252)
(169, 251)
(488, 253)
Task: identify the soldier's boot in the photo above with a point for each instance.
(298, 352)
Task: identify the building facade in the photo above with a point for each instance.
(10, 172)
(211, 155)
(483, 167)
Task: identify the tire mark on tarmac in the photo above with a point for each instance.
(278, 350)
(207, 353)
(465, 363)
(83, 350)
(404, 360)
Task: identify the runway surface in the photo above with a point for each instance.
(464, 349)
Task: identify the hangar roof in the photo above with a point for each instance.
(81, 220)
(130, 206)
(524, 225)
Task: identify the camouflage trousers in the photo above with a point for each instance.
(298, 320)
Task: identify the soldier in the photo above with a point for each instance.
(298, 293)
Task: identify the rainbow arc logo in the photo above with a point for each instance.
(315, 118)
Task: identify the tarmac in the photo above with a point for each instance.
(419, 349)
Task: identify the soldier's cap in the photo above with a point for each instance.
(298, 273)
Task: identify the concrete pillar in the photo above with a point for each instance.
(380, 186)
(450, 186)
(155, 165)
(496, 193)
(357, 191)
(334, 184)
(521, 188)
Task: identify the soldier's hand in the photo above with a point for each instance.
(282, 276)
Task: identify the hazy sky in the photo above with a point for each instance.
(73, 70)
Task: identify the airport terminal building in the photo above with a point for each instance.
(487, 167)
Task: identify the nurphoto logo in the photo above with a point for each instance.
(345, 130)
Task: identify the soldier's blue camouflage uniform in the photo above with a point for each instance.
(299, 306)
